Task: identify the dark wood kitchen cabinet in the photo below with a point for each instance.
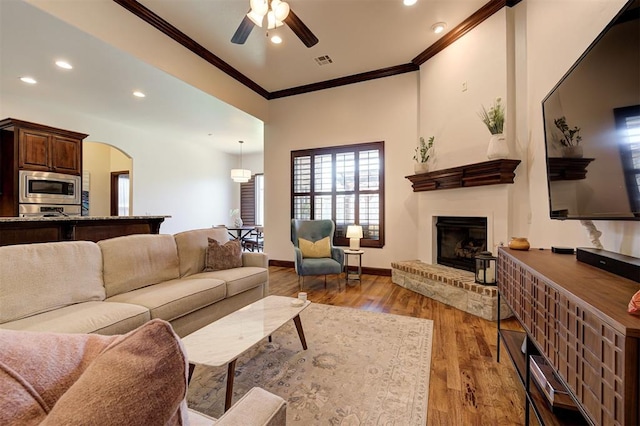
(31, 146)
(52, 150)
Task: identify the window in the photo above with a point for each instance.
(343, 183)
(628, 124)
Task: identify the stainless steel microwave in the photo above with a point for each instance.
(49, 188)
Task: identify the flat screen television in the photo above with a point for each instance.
(592, 127)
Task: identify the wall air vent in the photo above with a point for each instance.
(323, 60)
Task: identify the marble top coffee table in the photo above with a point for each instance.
(224, 340)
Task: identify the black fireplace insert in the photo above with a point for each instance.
(460, 239)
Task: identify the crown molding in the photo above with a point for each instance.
(172, 32)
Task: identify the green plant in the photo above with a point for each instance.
(423, 151)
(494, 117)
(568, 134)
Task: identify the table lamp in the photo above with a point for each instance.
(354, 233)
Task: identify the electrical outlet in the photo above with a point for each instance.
(464, 86)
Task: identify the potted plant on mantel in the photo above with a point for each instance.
(422, 155)
(570, 140)
(494, 120)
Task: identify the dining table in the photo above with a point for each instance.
(240, 232)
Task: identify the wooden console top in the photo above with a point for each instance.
(608, 293)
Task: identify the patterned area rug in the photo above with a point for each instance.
(360, 368)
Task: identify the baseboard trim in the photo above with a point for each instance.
(365, 270)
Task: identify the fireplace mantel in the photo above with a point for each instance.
(479, 174)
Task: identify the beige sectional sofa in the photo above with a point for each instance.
(116, 285)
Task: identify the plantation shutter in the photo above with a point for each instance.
(248, 202)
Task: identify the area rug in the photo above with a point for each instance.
(360, 368)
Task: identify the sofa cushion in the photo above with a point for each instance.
(87, 317)
(136, 261)
(237, 280)
(172, 299)
(223, 256)
(37, 278)
(192, 246)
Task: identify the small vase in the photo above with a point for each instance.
(237, 222)
(419, 168)
(519, 243)
(572, 151)
(498, 147)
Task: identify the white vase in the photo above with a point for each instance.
(572, 151)
(419, 168)
(498, 147)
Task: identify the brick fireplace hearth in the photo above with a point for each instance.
(451, 286)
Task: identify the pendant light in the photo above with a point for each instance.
(240, 175)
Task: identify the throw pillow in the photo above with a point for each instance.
(223, 256)
(316, 249)
(140, 378)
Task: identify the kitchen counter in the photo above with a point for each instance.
(22, 230)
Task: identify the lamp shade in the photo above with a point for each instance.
(354, 231)
(240, 175)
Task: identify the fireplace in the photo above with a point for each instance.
(460, 239)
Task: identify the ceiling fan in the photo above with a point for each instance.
(276, 13)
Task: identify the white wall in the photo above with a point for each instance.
(377, 110)
(186, 180)
(518, 54)
(96, 159)
(557, 33)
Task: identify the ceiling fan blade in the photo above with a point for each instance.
(300, 29)
(243, 31)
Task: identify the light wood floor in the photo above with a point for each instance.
(467, 385)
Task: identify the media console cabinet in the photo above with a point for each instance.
(575, 316)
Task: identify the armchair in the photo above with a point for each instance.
(314, 255)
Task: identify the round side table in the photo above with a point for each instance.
(351, 275)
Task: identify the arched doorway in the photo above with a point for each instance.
(101, 162)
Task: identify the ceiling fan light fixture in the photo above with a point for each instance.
(280, 9)
(255, 18)
(271, 20)
(261, 7)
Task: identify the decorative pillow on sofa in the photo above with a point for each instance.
(136, 378)
(317, 249)
(223, 256)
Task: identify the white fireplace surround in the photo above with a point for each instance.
(491, 202)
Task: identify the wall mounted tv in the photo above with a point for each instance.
(594, 173)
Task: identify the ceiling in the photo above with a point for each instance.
(358, 35)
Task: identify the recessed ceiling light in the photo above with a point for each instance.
(64, 64)
(139, 94)
(438, 27)
(276, 39)
(409, 2)
(28, 80)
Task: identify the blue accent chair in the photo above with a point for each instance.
(314, 230)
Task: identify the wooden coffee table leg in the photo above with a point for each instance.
(298, 324)
(231, 372)
(191, 368)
